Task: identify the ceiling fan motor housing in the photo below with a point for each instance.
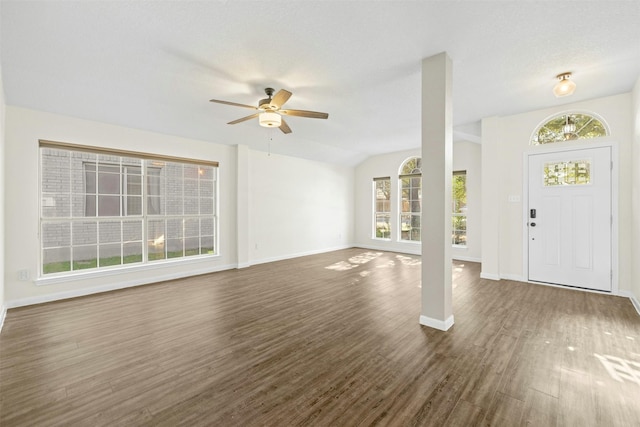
(265, 104)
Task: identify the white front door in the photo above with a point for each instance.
(569, 218)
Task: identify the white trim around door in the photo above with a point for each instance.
(568, 147)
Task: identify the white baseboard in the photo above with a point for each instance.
(297, 255)
(514, 277)
(632, 297)
(442, 325)
(3, 314)
(635, 303)
(489, 276)
(465, 258)
(112, 286)
(412, 248)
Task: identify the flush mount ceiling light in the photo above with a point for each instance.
(270, 120)
(565, 86)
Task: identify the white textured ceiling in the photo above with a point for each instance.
(154, 65)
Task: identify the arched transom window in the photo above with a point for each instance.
(569, 126)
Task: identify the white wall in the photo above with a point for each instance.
(2, 198)
(466, 156)
(504, 142)
(635, 197)
(298, 207)
(284, 193)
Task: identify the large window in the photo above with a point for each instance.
(103, 209)
(459, 209)
(411, 201)
(382, 214)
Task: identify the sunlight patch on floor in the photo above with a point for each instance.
(620, 369)
(388, 264)
(405, 260)
(341, 266)
(364, 258)
(354, 261)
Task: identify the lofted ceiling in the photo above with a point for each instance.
(154, 65)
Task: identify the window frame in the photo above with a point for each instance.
(414, 216)
(377, 213)
(73, 219)
(123, 183)
(455, 214)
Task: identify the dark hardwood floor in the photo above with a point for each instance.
(324, 340)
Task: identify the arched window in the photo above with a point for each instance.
(569, 126)
(411, 200)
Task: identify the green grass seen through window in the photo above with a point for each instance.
(62, 266)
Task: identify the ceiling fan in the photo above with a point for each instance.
(270, 110)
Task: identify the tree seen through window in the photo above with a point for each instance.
(459, 209)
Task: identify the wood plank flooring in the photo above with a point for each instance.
(324, 340)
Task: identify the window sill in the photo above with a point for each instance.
(459, 246)
(83, 275)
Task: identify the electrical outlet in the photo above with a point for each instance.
(23, 275)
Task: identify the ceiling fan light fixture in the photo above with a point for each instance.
(565, 85)
(269, 119)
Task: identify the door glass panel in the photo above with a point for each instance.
(573, 172)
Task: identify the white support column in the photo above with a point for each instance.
(491, 199)
(437, 156)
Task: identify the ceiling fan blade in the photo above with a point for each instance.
(244, 119)
(280, 98)
(304, 113)
(284, 127)
(235, 104)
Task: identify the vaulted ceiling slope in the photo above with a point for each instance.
(154, 65)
